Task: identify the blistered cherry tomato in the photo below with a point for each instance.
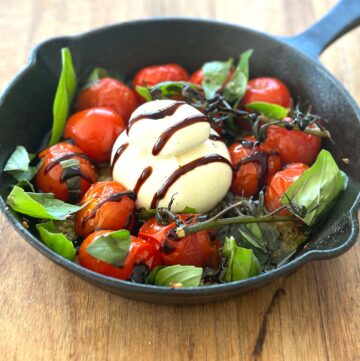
(198, 76)
(156, 74)
(109, 93)
(250, 176)
(95, 130)
(269, 90)
(197, 249)
(52, 177)
(280, 183)
(140, 253)
(109, 205)
(293, 146)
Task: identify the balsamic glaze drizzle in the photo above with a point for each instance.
(212, 158)
(118, 153)
(168, 133)
(116, 197)
(158, 114)
(145, 174)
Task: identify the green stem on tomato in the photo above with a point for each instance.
(183, 231)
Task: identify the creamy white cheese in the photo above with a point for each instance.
(201, 188)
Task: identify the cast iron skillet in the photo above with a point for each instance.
(26, 108)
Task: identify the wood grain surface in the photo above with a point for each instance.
(48, 314)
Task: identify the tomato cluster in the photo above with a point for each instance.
(103, 110)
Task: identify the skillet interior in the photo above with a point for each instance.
(26, 113)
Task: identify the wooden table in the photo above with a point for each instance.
(48, 314)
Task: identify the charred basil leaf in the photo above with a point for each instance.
(236, 87)
(215, 74)
(39, 205)
(18, 165)
(55, 240)
(268, 109)
(175, 276)
(313, 193)
(241, 262)
(64, 96)
(111, 247)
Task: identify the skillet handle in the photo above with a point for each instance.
(342, 18)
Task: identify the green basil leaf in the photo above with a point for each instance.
(19, 160)
(150, 279)
(25, 184)
(317, 188)
(241, 262)
(215, 74)
(55, 240)
(187, 276)
(144, 92)
(111, 247)
(18, 165)
(64, 96)
(39, 205)
(268, 109)
(190, 210)
(236, 87)
(96, 75)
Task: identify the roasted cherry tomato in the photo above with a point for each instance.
(293, 146)
(109, 206)
(140, 253)
(254, 166)
(109, 93)
(156, 74)
(53, 178)
(269, 90)
(197, 249)
(198, 76)
(95, 130)
(279, 184)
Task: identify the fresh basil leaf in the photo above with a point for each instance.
(56, 241)
(186, 276)
(150, 279)
(111, 247)
(64, 96)
(19, 160)
(18, 165)
(215, 74)
(241, 262)
(25, 184)
(268, 109)
(39, 205)
(96, 75)
(316, 189)
(236, 87)
(144, 92)
(190, 210)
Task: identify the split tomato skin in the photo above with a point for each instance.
(48, 178)
(280, 183)
(102, 214)
(246, 180)
(109, 93)
(269, 90)
(141, 252)
(95, 130)
(197, 249)
(155, 74)
(293, 146)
